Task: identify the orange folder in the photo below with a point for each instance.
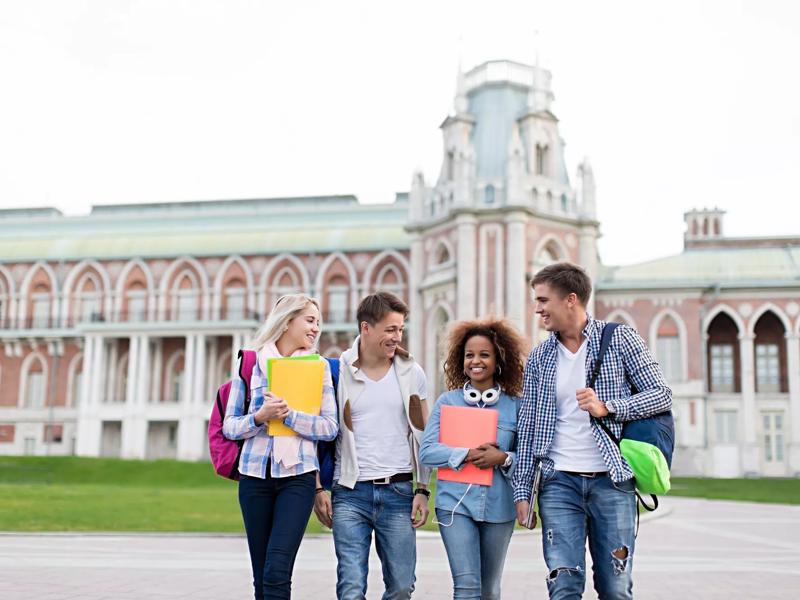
(299, 382)
(465, 427)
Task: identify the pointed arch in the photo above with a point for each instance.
(266, 286)
(439, 315)
(26, 297)
(222, 278)
(74, 276)
(557, 250)
(621, 316)
(174, 273)
(122, 288)
(40, 391)
(8, 292)
(368, 280)
(321, 283)
(174, 379)
(655, 323)
(74, 380)
(443, 254)
(723, 308)
(762, 310)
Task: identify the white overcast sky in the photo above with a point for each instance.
(678, 104)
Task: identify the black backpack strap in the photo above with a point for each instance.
(605, 342)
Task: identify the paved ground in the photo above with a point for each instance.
(699, 550)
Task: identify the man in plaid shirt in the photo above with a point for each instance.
(587, 488)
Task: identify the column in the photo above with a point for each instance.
(466, 261)
(89, 435)
(515, 270)
(750, 417)
(417, 315)
(793, 365)
(186, 421)
(129, 440)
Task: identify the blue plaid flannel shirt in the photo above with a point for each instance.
(257, 448)
(628, 361)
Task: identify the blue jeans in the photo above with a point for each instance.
(386, 510)
(476, 551)
(275, 513)
(572, 507)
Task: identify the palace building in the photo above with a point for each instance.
(117, 327)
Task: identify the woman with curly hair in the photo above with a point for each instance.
(483, 370)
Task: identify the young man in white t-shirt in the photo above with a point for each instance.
(587, 489)
(382, 415)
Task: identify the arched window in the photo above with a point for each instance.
(235, 300)
(488, 194)
(723, 355)
(564, 203)
(389, 279)
(337, 297)
(770, 354)
(137, 303)
(173, 391)
(86, 300)
(186, 297)
(40, 313)
(541, 159)
(35, 384)
(668, 350)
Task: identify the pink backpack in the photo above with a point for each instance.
(224, 452)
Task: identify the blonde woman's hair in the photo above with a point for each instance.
(286, 308)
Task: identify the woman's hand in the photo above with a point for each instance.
(486, 456)
(274, 407)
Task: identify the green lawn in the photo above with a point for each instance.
(86, 494)
(101, 494)
(776, 491)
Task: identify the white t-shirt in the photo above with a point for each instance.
(574, 447)
(381, 429)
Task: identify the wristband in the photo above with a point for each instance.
(318, 490)
(426, 493)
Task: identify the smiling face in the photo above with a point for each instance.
(480, 362)
(382, 339)
(302, 331)
(556, 312)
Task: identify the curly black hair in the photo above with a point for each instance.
(510, 349)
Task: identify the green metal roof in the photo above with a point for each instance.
(706, 267)
(269, 226)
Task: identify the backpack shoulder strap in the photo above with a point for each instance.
(246, 363)
(605, 342)
(334, 365)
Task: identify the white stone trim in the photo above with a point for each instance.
(264, 284)
(682, 334)
(729, 311)
(764, 308)
(84, 268)
(167, 284)
(618, 313)
(220, 278)
(322, 276)
(367, 280)
(121, 287)
(22, 308)
(23, 378)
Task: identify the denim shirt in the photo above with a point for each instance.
(494, 503)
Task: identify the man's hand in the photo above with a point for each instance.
(522, 514)
(323, 508)
(419, 507)
(588, 401)
(487, 456)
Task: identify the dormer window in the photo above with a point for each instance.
(488, 194)
(541, 159)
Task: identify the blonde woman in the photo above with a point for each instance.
(278, 474)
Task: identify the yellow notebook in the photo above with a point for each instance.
(299, 382)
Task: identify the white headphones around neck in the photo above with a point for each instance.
(474, 397)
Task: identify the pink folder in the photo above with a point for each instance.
(465, 427)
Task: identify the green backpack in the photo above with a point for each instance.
(647, 444)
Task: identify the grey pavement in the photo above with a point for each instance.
(697, 549)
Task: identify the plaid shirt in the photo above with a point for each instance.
(628, 361)
(257, 447)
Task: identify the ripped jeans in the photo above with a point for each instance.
(573, 507)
